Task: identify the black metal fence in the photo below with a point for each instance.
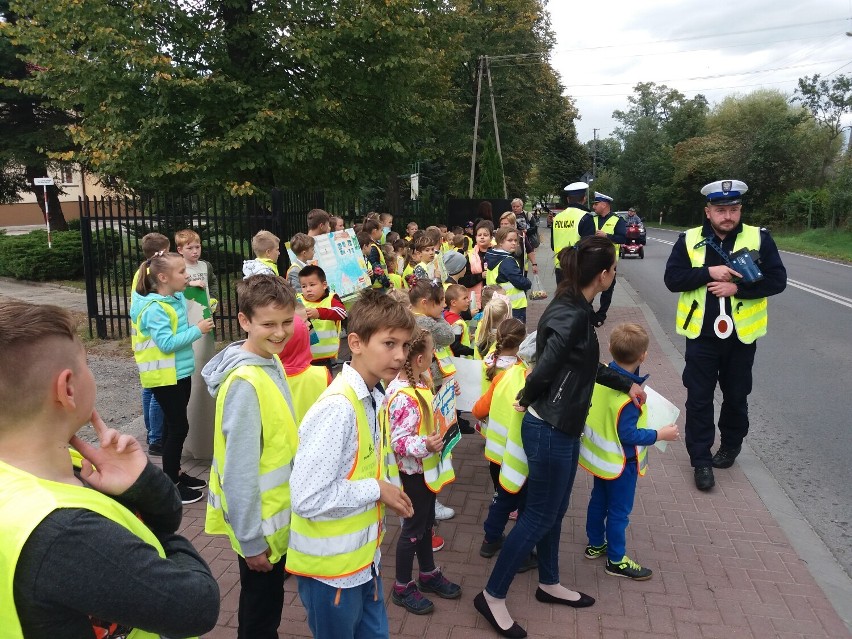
(112, 229)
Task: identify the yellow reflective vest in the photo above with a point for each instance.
(517, 297)
(437, 472)
(601, 452)
(750, 316)
(25, 500)
(444, 357)
(156, 368)
(609, 228)
(328, 331)
(329, 547)
(507, 429)
(566, 230)
(306, 388)
(279, 438)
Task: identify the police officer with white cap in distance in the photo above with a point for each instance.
(571, 224)
(724, 271)
(608, 224)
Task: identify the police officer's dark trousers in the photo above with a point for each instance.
(710, 360)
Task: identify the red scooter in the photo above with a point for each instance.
(635, 245)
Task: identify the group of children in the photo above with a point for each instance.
(304, 465)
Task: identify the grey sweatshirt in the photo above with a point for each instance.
(241, 428)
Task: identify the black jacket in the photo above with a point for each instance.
(560, 386)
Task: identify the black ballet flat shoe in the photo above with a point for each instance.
(515, 632)
(583, 602)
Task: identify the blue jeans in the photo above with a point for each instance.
(152, 414)
(345, 613)
(552, 457)
(501, 507)
(520, 314)
(609, 509)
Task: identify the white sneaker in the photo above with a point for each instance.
(443, 512)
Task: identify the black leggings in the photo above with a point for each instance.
(174, 400)
(415, 538)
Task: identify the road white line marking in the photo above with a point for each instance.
(818, 259)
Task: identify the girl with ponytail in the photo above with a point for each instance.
(417, 443)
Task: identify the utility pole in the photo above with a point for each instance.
(475, 127)
(594, 151)
(496, 130)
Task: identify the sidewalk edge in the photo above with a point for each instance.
(828, 574)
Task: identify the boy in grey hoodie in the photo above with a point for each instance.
(254, 442)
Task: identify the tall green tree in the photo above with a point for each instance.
(490, 182)
(827, 101)
(32, 128)
(240, 94)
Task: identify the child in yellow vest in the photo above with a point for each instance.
(458, 303)
(339, 485)
(266, 248)
(325, 312)
(390, 260)
(302, 247)
(408, 412)
(254, 443)
(84, 544)
(163, 352)
(614, 449)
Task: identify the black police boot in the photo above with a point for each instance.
(725, 456)
(704, 478)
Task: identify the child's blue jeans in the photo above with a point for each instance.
(152, 414)
(609, 509)
(345, 613)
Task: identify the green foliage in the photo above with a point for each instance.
(490, 184)
(28, 257)
(829, 243)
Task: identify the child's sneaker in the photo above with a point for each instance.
(436, 582)
(189, 495)
(627, 568)
(443, 512)
(411, 599)
(437, 542)
(593, 552)
(192, 482)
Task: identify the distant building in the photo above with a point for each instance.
(73, 183)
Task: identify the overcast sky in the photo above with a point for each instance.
(604, 47)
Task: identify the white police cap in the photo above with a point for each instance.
(577, 186)
(601, 197)
(724, 192)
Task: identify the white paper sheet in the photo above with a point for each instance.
(661, 412)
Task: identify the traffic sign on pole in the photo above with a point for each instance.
(44, 183)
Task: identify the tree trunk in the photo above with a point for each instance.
(55, 215)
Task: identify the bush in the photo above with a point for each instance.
(27, 257)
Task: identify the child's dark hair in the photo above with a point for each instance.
(332, 221)
(420, 344)
(301, 242)
(392, 237)
(484, 224)
(510, 333)
(313, 269)
(429, 290)
(503, 232)
(364, 239)
(258, 291)
(153, 243)
(370, 226)
(454, 292)
(374, 311)
(316, 218)
(422, 241)
(390, 258)
(160, 262)
(582, 263)
(434, 234)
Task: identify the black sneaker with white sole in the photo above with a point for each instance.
(189, 495)
(192, 482)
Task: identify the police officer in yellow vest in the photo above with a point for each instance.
(612, 226)
(721, 311)
(572, 223)
(91, 541)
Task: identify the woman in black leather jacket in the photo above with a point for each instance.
(556, 399)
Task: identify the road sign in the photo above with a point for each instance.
(45, 181)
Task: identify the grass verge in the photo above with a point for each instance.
(835, 245)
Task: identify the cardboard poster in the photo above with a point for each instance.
(444, 410)
(340, 256)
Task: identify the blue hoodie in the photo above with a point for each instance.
(507, 268)
(629, 434)
(156, 323)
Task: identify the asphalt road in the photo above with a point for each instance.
(801, 422)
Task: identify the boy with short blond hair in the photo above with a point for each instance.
(266, 248)
(340, 484)
(614, 449)
(302, 247)
(386, 221)
(255, 440)
(325, 311)
(83, 548)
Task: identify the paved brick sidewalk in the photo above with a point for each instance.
(722, 565)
